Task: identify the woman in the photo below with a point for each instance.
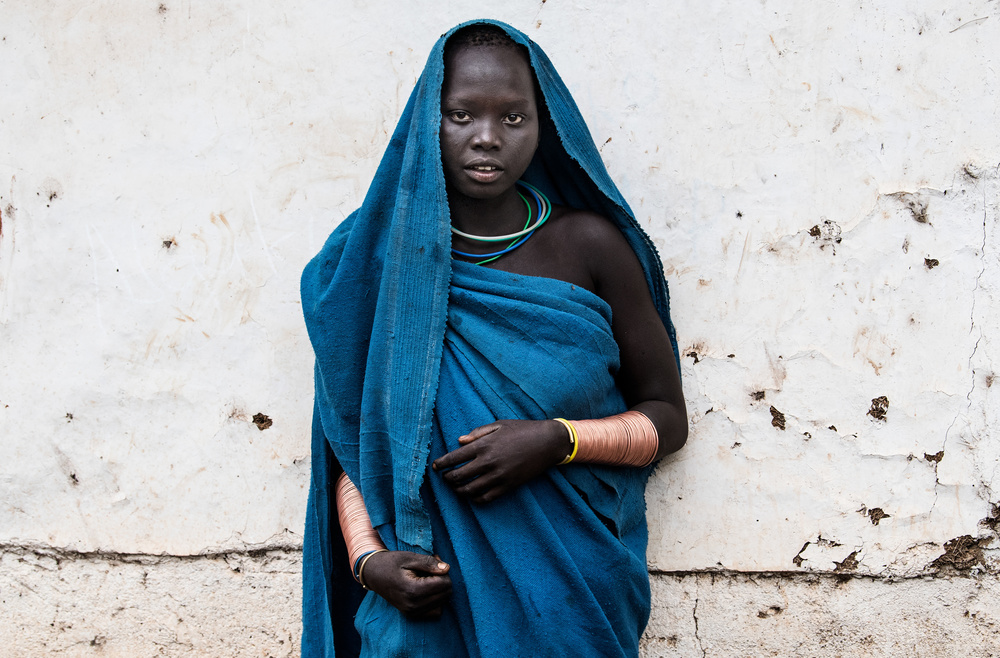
(493, 284)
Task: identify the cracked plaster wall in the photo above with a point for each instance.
(822, 183)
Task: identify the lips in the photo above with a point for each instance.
(484, 172)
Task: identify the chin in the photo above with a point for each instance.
(474, 190)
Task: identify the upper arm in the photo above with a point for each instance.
(648, 368)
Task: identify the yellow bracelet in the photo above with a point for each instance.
(573, 439)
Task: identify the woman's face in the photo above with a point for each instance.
(489, 120)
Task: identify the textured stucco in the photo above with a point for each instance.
(99, 606)
(821, 181)
(144, 606)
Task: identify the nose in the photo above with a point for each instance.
(487, 135)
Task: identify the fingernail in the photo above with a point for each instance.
(442, 565)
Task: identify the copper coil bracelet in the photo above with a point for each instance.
(356, 526)
(628, 439)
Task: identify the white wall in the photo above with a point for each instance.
(821, 180)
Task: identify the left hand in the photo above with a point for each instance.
(495, 458)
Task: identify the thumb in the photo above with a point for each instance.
(429, 564)
(479, 433)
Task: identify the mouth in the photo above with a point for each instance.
(484, 173)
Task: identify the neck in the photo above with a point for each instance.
(499, 216)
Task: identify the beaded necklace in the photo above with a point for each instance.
(544, 210)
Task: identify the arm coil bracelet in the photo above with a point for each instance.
(361, 539)
(628, 439)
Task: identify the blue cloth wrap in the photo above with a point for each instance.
(413, 350)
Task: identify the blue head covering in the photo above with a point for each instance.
(375, 300)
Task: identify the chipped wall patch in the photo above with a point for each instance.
(875, 514)
(262, 421)
(962, 553)
(879, 408)
(777, 418)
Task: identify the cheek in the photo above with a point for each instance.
(449, 146)
(529, 145)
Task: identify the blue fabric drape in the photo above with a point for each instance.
(376, 304)
(560, 562)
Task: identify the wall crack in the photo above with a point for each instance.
(66, 554)
(694, 613)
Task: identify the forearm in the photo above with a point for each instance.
(416, 585)
(638, 437)
(356, 526)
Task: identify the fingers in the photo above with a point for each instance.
(475, 486)
(454, 458)
(468, 472)
(417, 585)
(426, 588)
(466, 452)
(431, 606)
(431, 565)
(479, 433)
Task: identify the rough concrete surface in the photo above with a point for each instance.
(131, 606)
(756, 615)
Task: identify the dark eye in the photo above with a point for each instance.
(460, 115)
(513, 119)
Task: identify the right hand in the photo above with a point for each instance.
(416, 585)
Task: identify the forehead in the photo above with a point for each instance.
(493, 66)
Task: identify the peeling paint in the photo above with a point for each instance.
(962, 553)
(880, 406)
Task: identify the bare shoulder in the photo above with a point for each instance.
(597, 242)
(591, 237)
(586, 229)
(580, 247)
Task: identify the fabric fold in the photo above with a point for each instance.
(534, 348)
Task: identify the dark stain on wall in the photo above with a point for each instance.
(916, 206)
(777, 418)
(827, 234)
(993, 520)
(262, 421)
(961, 553)
(875, 514)
(849, 563)
(880, 406)
(798, 559)
(8, 212)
